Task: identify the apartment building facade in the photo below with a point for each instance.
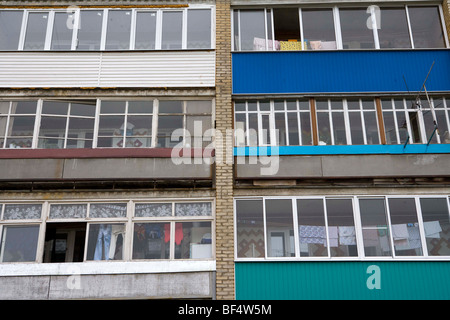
(352, 98)
(224, 149)
(98, 199)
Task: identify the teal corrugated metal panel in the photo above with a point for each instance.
(409, 280)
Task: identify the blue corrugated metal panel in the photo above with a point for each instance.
(347, 280)
(339, 71)
(356, 149)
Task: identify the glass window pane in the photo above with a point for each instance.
(280, 125)
(199, 29)
(429, 123)
(59, 108)
(318, 29)
(151, 241)
(341, 228)
(4, 108)
(239, 106)
(236, 29)
(252, 30)
(139, 132)
(250, 229)
(90, 32)
(24, 107)
(405, 227)
(111, 125)
(442, 125)
(105, 241)
(323, 124)
(108, 210)
(280, 230)
(142, 125)
(22, 126)
(198, 107)
(10, 26)
(355, 33)
(370, 122)
(17, 143)
(402, 126)
(62, 35)
(22, 211)
(172, 26)
(171, 106)
(112, 107)
(153, 210)
(145, 30)
(305, 119)
(265, 130)
(3, 121)
(195, 209)
(340, 137)
(426, 26)
(356, 128)
(393, 31)
(19, 243)
(68, 211)
(293, 129)
(389, 125)
(193, 240)
(78, 144)
(436, 225)
(140, 107)
(253, 129)
(312, 232)
(80, 128)
(53, 127)
(240, 129)
(166, 126)
(196, 127)
(119, 28)
(36, 31)
(375, 228)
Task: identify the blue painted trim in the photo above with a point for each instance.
(342, 150)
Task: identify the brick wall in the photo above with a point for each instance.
(446, 9)
(224, 170)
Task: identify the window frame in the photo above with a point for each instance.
(357, 224)
(129, 221)
(154, 114)
(337, 25)
(378, 111)
(75, 13)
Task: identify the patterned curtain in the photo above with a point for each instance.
(22, 211)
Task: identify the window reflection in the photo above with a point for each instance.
(318, 29)
(11, 23)
(426, 26)
(355, 33)
(19, 243)
(393, 31)
(36, 31)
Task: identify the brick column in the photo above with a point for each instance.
(446, 9)
(224, 168)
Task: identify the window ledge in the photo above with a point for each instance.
(105, 267)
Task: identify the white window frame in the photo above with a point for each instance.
(155, 117)
(337, 25)
(129, 220)
(357, 224)
(76, 12)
